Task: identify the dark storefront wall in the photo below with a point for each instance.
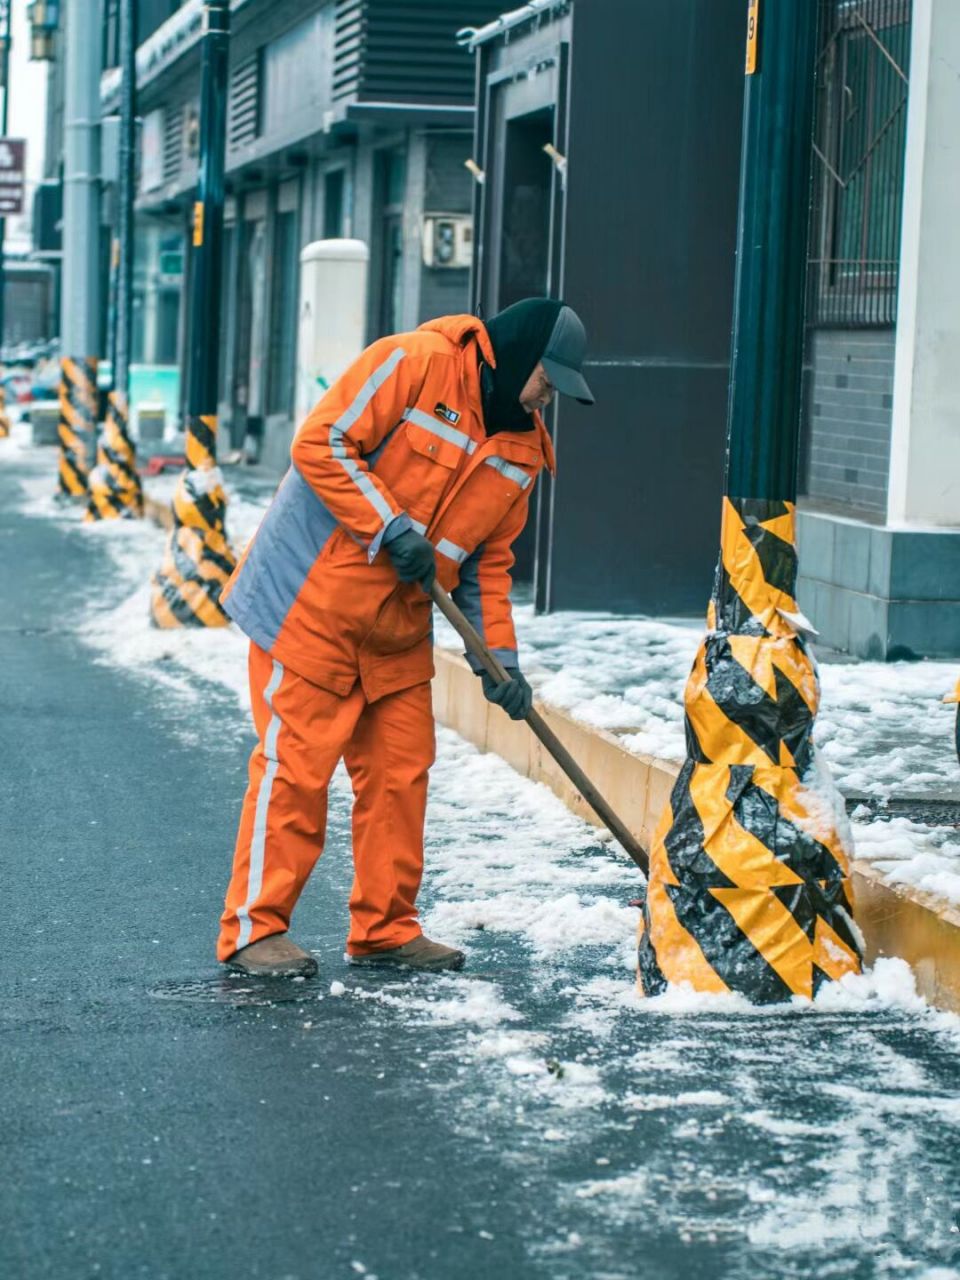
(650, 236)
(640, 240)
(521, 214)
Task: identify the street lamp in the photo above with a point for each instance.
(44, 18)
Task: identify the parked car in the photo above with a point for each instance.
(17, 385)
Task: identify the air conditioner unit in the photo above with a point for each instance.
(447, 240)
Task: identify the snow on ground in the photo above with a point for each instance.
(882, 727)
(811, 1132)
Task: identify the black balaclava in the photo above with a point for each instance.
(519, 337)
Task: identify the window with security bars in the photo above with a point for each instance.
(859, 140)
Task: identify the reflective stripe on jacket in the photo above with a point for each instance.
(398, 442)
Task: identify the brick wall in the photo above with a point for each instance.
(849, 403)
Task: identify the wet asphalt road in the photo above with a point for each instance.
(161, 1121)
(151, 1129)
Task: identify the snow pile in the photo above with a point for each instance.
(913, 853)
(478, 1004)
(882, 727)
(506, 856)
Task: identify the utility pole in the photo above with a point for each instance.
(115, 488)
(198, 559)
(5, 35)
(5, 76)
(80, 292)
(749, 888)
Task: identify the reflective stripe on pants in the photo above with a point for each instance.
(388, 747)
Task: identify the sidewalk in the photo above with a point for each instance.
(882, 727)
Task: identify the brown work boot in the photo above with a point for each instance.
(419, 953)
(274, 957)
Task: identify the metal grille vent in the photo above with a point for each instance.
(348, 45)
(172, 142)
(406, 50)
(243, 110)
(862, 87)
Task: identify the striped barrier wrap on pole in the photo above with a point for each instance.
(749, 871)
(78, 423)
(113, 484)
(198, 559)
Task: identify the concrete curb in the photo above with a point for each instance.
(896, 920)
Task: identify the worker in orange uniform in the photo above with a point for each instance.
(417, 463)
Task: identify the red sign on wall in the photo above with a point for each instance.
(13, 157)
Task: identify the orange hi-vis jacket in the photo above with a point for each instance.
(398, 442)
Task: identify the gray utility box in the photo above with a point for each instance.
(45, 423)
(151, 423)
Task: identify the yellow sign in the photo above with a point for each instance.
(753, 12)
(198, 224)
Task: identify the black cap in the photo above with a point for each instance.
(563, 358)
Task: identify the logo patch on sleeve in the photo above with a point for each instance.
(446, 413)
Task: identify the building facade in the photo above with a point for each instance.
(630, 214)
(608, 133)
(879, 520)
(603, 141)
(346, 118)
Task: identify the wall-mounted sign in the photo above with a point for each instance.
(13, 159)
(753, 17)
(151, 151)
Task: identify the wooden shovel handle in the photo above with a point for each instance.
(477, 648)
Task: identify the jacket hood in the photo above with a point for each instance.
(460, 329)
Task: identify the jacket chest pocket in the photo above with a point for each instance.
(494, 487)
(510, 472)
(425, 466)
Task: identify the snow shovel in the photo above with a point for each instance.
(476, 647)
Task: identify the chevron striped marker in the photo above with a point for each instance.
(78, 422)
(749, 870)
(198, 559)
(114, 485)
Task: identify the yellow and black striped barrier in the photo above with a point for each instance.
(198, 559)
(4, 416)
(749, 870)
(78, 422)
(114, 485)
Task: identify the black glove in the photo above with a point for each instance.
(514, 694)
(413, 558)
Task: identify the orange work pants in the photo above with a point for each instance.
(388, 747)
